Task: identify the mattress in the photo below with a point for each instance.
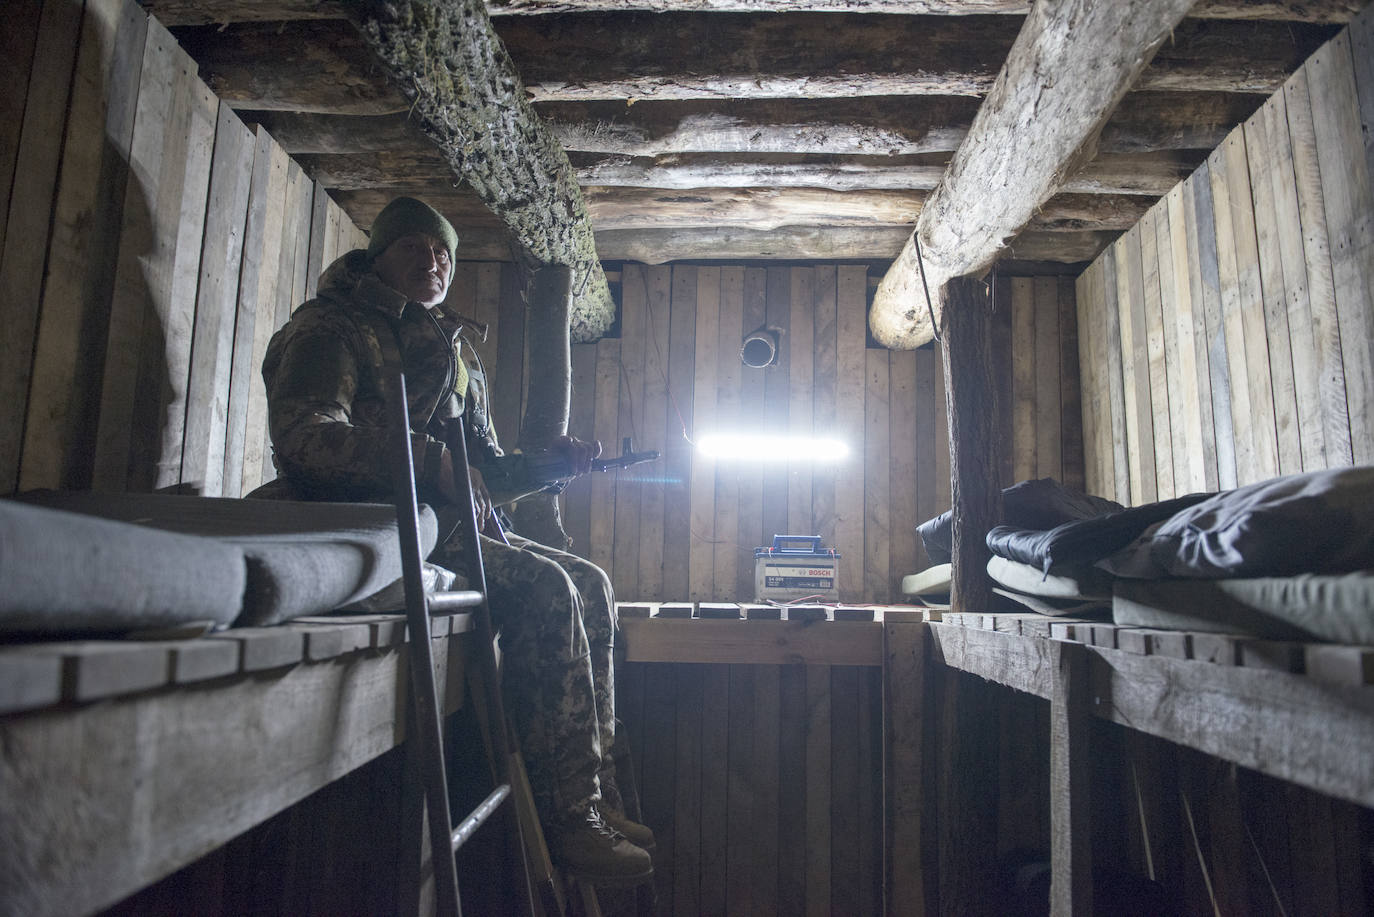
(1307, 607)
(298, 558)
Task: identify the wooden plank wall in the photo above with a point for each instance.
(762, 784)
(150, 243)
(684, 528)
(1229, 336)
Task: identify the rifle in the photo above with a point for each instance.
(510, 477)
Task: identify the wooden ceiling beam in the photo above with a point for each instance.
(323, 66)
(644, 56)
(205, 12)
(1328, 11)
(468, 99)
(887, 125)
(874, 126)
(1029, 136)
(1150, 174)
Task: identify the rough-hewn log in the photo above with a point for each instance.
(550, 395)
(971, 405)
(484, 238)
(642, 56)
(201, 12)
(875, 125)
(771, 208)
(683, 56)
(468, 98)
(315, 132)
(890, 126)
(310, 66)
(1150, 175)
(1032, 132)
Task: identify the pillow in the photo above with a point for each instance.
(1038, 504)
(1077, 583)
(1318, 522)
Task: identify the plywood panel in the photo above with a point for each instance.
(17, 46)
(212, 347)
(70, 347)
(751, 417)
(851, 329)
(1190, 355)
(1309, 435)
(1262, 162)
(1348, 193)
(1135, 367)
(1070, 388)
(1202, 211)
(1158, 381)
(1261, 397)
(170, 274)
(265, 245)
(729, 554)
(701, 547)
(1116, 388)
(1049, 455)
(1023, 378)
(777, 398)
(677, 466)
(801, 383)
(904, 515)
(29, 219)
(657, 427)
(605, 426)
(1092, 358)
(877, 487)
(634, 318)
(581, 422)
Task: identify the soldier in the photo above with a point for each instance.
(554, 611)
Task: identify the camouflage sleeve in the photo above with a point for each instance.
(313, 416)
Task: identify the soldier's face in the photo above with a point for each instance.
(417, 266)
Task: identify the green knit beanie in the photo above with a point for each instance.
(404, 216)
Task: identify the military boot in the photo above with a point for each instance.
(591, 850)
(635, 833)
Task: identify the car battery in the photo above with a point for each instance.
(796, 567)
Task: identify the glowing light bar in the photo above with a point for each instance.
(772, 448)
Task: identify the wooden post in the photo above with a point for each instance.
(972, 401)
(1070, 831)
(904, 706)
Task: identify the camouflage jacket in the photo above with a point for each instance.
(326, 403)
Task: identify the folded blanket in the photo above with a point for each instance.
(1317, 522)
(301, 558)
(1038, 505)
(64, 572)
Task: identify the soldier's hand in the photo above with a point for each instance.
(481, 498)
(448, 487)
(578, 453)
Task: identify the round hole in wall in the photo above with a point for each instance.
(760, 348)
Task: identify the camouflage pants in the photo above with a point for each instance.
(554, 613)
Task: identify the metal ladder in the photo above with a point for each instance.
(510, 795)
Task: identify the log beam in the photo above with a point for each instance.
(975, 487)
(204, 12)
(468, 98)
(1030, 135)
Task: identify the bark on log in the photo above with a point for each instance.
(468, 98)
(203, 12)
(1150, 174)
(971, 406)
(648, 56)
(546, 416)
(1031, 133)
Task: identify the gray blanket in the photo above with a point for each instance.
(179, 558)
